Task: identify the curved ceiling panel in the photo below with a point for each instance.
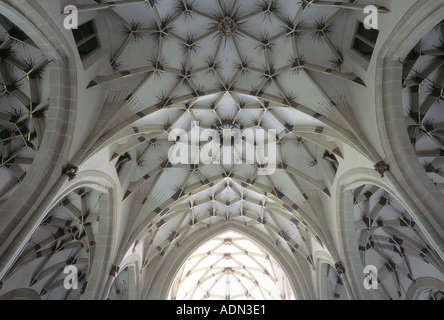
(24, 100)
(390, 240)
(423, 80)
(252, 95)
(225, 65)
(65, 238)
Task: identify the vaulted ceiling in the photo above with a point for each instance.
(222, 64)
(248, 65)
(25, 100)
(423, 79)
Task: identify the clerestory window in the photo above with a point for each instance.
(364, 40)
(87, 39)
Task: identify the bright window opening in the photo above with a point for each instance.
(231, 267)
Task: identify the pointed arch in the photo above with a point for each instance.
(163, 272)
(19, 216)
(388, 244)
(424, 199)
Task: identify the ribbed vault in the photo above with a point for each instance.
(24, 100)
(249, 65)
(183, 65)
(66, 237)
(423, 79)
(390, 239)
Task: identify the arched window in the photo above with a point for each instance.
(229, 267)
